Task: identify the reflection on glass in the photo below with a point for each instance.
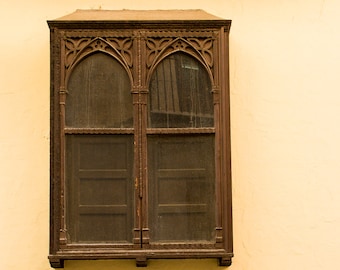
(180, 94)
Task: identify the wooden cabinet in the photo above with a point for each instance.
(140, 136)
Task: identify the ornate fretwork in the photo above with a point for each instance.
(78, 48)
(154, 47)
(158, 45)
(202, 48)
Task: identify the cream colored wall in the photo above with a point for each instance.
(285, 104)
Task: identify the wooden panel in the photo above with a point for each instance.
(99, 177)
(102, 228)
(97, 191)
(181, 177)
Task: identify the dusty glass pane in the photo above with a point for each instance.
(100, 188)
(182, 188)
(99, 94)
(180, 94)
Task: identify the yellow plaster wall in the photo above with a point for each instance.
(285, 104)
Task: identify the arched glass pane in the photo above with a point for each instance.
(180, 94)
(99, 94)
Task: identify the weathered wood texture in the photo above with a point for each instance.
(140, 136)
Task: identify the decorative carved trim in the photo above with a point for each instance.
(180, 33)
(158, 45)
(181, 246)
(78, 48)
(204, 46)
(97, 33)
(98, 131)
(180, 131)
(200, 47)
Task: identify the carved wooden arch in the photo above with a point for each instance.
(78, 50)
(167, 46)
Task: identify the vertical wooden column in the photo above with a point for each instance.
(137, 143)
(137, 219)
(143, 163)
(55, 190)
(140, 96)
(62, 100)
(218, 167)
(144, 92)
(216, 91)
(225, 144)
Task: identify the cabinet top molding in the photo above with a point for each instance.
(136, 18)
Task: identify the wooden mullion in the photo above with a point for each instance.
(137, 221)
(144, 176)
(138, 141)
(144, 92)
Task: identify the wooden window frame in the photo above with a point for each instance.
(139, 45)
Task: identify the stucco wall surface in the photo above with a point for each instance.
(285, 117)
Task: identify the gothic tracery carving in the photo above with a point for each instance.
(78, 48)
(158, 45)
(199, 47)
